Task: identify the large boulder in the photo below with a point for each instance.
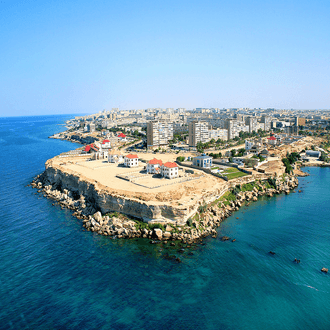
(167, 235)
(158, 233)
(97, 216)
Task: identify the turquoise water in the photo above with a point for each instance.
(56, 275)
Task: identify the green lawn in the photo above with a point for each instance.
(233, 173)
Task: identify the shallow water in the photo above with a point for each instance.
(56, 275)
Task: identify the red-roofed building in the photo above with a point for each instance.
(131, 160)
(170, 170)
(272, 140)
(91, 148)
(154, 166)
(106, 144)
(122, 137)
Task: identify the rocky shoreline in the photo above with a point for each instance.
(202, 224)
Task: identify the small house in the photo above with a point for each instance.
(170, 170)
(131, 160)
(122, 137)
(202, 161)
(154, 166)
(272, 140)
(114, 156)
(106, 144)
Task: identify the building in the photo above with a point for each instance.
(154, 166)
(248, 145)
(252, 123)
(159, 133)
(198, 132)
(266, 121)
(312, 153)
(219, 133)
(91, 127)
(122, 137)
(234, 127)
(114, 156)
(170, 170)
(131, 160)
(202, 161)
(106, 144)
(91, 148)
(272, 140)
(301, 121)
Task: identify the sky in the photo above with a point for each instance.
(86, 56)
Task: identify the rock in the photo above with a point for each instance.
(234, 240)
(98, 216)
(158, 233)
(225, 238)
(271, 252)
(167, 235)
(324, 270)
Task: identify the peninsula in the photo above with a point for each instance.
(127, 182)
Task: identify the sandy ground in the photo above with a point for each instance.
(104, 175)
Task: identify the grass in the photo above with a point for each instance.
(233, 173)
(231, 170)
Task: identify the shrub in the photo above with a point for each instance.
(180, 158)
(156, 225)
(202, 208)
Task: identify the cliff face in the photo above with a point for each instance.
(107, 202)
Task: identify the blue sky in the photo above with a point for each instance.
(86, 56)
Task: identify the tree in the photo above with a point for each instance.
(288, 167)
(324, 157)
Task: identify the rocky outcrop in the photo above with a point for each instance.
(58, 181)
(113, 215)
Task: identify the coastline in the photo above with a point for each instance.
(202, 223)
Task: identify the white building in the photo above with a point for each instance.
(154, 166)
(219, 133)
(131, 160)
(248, 145)
(115, 156)
(272, 140)
(159, 133)
(203, 161)
(106, 144)
(170, 170)
(198, 132)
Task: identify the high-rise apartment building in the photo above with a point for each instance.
(198, 132)
(267, 122)
(159, 133)
(252, 123)
(233, 127)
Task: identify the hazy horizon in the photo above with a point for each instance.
(83, 57)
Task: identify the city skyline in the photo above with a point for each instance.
(83, 57)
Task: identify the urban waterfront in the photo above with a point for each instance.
(56, 275)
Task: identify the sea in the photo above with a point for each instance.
(56, 275)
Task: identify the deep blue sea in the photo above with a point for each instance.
(56, 275)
